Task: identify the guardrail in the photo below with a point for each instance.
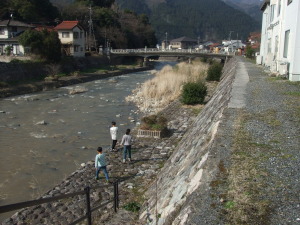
(86, 191)
(156, 50)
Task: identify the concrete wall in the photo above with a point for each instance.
(176, 196)
(12, 72)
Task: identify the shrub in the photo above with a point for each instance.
(132, 206)
(154, 122)
(214, 72)
(193, 93)
(250, 53)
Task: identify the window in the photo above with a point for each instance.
(286, 44)
(289, 2)
(81, 34)
(75, 35)
(2, 31)
(279, 7)
(76, 48)
(276, 44)
(65, 34)
(272, 13)
(269, 45)
(81, 49)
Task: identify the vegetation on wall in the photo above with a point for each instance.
(193, 93)
(214, 72)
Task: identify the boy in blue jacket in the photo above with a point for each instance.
(100, 164)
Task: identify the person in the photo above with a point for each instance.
(126, 141)
(100, 164)
(113, 134)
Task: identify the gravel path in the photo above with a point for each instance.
(274, 108)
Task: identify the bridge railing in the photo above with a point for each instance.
(156, 50)
(86, 192)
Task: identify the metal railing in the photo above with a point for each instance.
(149, 133)
(86, 191)
(143, 50)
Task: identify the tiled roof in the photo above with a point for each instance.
(40, 28)
(67, 25)
(184, 39)
(14, 23)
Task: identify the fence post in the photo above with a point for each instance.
(88, 205)
(115, 196)
(117, 193)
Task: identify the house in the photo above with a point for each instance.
(9, 34)
(233, 45)
(183, 43)
(254, 40)
(72, 37)
(280, 35)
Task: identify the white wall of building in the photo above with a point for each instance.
(279, 17)
(74, 37)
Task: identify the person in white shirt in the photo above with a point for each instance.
(126, 141)
(113, 134)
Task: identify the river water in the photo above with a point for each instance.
(46, 136)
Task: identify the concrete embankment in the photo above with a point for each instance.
(180, 190)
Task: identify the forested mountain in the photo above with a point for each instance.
(207, 19)
(251, 7)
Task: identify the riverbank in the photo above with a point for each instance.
(148, 157)
(37, 86)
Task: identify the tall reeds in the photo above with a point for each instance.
(166, 86)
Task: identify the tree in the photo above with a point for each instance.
(44, 43)
(31, 10)
(100, 3)
(249, 52)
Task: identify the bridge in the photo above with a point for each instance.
(155, 52)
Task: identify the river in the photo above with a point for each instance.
(45, 136)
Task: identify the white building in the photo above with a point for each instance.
(72, 38)
(233, 45)
(280, 50)
(9, 34)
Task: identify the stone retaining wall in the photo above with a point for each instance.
(63, 81)
(173, 198)
(12, 72)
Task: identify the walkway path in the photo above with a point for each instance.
(261, 170)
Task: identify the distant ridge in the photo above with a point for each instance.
(206, 19)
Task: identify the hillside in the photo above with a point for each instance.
(209, 20)
(250, 7)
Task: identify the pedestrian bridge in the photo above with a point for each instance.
(154, 52)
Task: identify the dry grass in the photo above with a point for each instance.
(245, 204)
(166, 86)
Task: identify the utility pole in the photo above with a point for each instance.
(230, 37)
(237, 39)
(166, 40)
(91, 35)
